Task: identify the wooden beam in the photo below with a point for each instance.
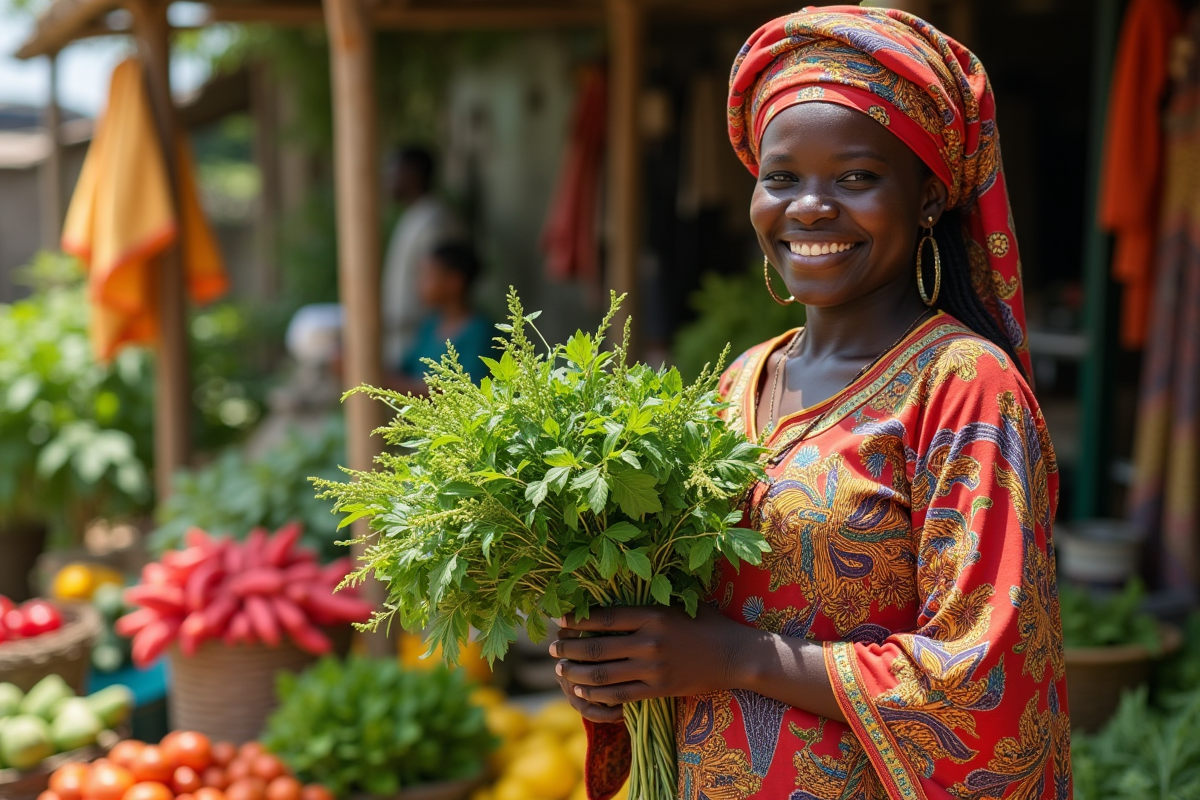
(356, 178)
(416, 19)
(625, 32)
(51, 172)
(172, 406)
(61, 23)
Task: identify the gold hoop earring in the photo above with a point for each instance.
(770, 288)
(937, 266)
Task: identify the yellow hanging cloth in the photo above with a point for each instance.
(121, 219)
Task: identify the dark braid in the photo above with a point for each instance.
(958, 296)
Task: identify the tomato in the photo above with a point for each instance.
(214, 777)
(184, 796)
(250, 750)
(151, 765)
(208, 793)
(39, 617)
(68, 781)
(223, 753)
(14, 622)
(125, 751)
(315, 791)
(188, 749)
(48, 795)
(186, 780)
(285, 787)
(107, 781)
(238, 768)
(267, 767)
(148, 790)
(247, 789)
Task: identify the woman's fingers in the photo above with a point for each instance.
(601, 674)
(615, 694)
(613, 620)
(601, 648)
(590, 711)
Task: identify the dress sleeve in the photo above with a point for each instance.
(972, 703)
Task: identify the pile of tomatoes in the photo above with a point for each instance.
(28, 620)
(184, 766)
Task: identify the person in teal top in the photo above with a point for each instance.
(444, 285)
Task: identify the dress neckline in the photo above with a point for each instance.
(884, 363)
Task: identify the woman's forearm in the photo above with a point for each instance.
(787, 669)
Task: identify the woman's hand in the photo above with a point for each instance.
(657, 652)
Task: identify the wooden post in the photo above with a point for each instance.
(52, 170)
(625, 31)
(356, 174)
(1099, 295)
(172, 407)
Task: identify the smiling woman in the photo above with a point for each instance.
(902, 637)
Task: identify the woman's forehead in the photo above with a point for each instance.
(827, 129)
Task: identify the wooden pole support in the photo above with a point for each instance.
(626, 25)
(356, 175)
(172, 407)
(52, 168)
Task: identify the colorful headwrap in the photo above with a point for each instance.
(921, 85)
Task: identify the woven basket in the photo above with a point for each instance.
(16, 785)
(1096, 677)
(227, 692)
(65, 651)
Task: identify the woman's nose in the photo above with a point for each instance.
(811, 206)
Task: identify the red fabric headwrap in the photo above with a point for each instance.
(924, 87)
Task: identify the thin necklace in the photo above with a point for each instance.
(775, 455)
(780, 368)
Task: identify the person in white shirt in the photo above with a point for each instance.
(424, 223)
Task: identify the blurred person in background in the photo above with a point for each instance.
(443, 289)
(424, 222)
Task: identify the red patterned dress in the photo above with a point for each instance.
(909, 518)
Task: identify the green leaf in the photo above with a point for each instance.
(550, 426)
(634, 492)
(610, 559)
(638, 563)
(461, 489)
(557, 478)
(622, 531)
(497, 636)
(660, 587)
(580, 349)
(444, 440)
(702, 550)
(559, 457)
(536, 492)
(576, 559)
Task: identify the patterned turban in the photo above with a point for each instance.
(921, 85)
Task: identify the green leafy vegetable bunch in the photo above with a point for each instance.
(370, 726)
(1091, 621)
(568, 479)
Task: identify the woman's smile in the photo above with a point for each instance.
(818, 252)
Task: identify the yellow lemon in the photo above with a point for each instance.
(622, 793)
(576, 748)
(507, 722)
(559, 716)
(73, 582)
(513, 789)
(547, 772)
(487, 696)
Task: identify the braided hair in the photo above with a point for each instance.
(958, 296)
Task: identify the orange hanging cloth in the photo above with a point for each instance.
(1133, 155)
(122, 219)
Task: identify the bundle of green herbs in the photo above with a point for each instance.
(567, 480)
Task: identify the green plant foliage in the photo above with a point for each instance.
(373, 727)
(75, 434)
(234, 494)
(1143, 752)
(1091, 621)
(732, 310)
(567, 479)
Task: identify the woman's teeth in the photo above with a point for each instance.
(806, 249)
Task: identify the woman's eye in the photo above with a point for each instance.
(858, 177)
(779, 177)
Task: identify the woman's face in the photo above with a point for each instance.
(839, 204)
